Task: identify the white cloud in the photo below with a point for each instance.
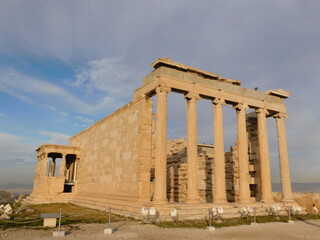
(7, 80)
(12, 81)
(2, 115)
(109, 75)
(16, 157)
(84, 120)
(13, 146)
(57, 110)
(69, 30)
(97, 75)
(56, 138)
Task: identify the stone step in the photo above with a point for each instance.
(133, 208)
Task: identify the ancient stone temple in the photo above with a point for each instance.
(125, 160)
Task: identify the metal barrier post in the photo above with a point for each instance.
(210, 228)
(254, 217)
(110, 217)
(289, 215)
(109, 230)
(60, 214)
(59, 233)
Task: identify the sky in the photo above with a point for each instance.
(66, 64)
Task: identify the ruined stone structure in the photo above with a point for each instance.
(126, 161)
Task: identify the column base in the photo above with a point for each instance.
(163, 201)
(221, 200)
(267, 200)
(287, 200)
(193, 201)
(245, 200)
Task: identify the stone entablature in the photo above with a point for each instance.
(166, 75)
(184, 72)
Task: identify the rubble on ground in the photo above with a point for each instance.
(20, 198)
(7, 212)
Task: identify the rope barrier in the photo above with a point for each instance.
(203, 213)
(287, 212)
(38, 220)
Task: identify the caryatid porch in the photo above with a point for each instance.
(50, 179)
(195, 84)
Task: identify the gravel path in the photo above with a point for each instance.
(309, 229)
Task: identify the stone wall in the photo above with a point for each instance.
(232, 166)
(177, 171)
(111, 152)
(232, 174)
(254, 163)
(177, 168)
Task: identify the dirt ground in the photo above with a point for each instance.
(309, 229)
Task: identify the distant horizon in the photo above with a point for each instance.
(276, 187)
(31, 183)
(17, 189)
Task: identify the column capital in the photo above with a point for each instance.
(262, 110)
(192, 96)
(241, 107)
(44, 155)
(40, 157)
(218, 101)
(163, 89)
(280, 115)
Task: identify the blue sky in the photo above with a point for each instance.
(66, 64)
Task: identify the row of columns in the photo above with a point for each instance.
(160, 191)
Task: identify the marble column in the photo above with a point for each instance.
(283, 157)
(75, 169)
(42, 165)
(192, 148)
(244, 191)
(160, 185)
(48, 164)
(219, 158)
(265, 175)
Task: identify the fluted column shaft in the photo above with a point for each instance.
(266, 188)
(244, 191)
(192, 148)
(219, 159)
(283, 157)
(160, 186)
